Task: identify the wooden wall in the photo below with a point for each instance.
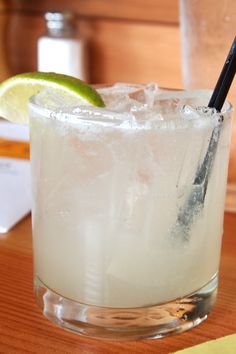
(128, 40)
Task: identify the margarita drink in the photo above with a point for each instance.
(109, 185)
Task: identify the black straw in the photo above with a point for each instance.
(225, 80)
(196, 198)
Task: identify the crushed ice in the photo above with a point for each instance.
(132, 105)
(201, 115)
(137, 99)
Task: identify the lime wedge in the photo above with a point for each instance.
(16, 91)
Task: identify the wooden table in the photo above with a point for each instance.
(23, 329)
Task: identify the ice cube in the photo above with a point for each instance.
(207, 112)
(123, 97)
(189, 112)
(151, 91)
(138, 95)
(145, 94)
(115, 94)
(200, 115)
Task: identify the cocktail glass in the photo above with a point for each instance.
(113, 257)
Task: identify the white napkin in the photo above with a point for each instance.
(15, 180)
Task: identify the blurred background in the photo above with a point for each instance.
(131, 41)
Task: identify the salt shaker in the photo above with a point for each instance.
(59, 50)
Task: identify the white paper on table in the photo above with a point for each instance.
(15, 180)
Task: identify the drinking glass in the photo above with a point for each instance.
(126, 236)
(207, 31)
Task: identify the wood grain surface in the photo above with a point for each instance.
(138, 10)
(4, 65)
(136, 52)
(14, 149)
(23, 329)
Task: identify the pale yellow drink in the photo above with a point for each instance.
(108, 186)
(128, 203)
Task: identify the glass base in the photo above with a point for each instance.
(127, 323)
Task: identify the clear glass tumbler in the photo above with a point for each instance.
(207, 32)
(127, 227)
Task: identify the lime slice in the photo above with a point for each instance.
(16, 91)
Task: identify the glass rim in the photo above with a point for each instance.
(165, 94)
